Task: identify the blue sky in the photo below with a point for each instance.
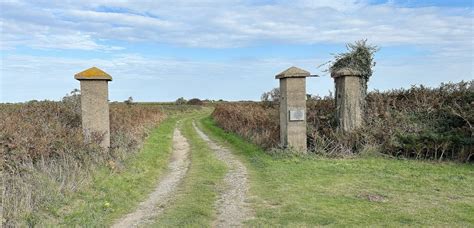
(165, 49)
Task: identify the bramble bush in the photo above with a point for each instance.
(420, 122)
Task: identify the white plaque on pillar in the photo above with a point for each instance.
(297, 115)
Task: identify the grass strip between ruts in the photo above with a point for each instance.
(194, 204)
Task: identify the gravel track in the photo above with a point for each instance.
(232, 207)
(165, 190)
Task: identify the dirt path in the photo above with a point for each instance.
(165, 189)
(232, 209)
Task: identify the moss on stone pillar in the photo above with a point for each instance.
(95, 104)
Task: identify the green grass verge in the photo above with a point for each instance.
(301, 191)
(113, 194)
(194, 204)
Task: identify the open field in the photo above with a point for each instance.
(285, 189)
(246, 113)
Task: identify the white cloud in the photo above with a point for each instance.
(444, 36)
(232, 23)
(146, 79)
(26, 77)
(117, 19)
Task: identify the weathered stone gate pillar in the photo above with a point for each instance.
(95, 103)
(350, 98)
(293, 108)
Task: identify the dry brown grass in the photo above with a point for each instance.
(46, 159)
(251, 120)
(420, 122)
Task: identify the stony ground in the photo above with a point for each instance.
(232, 207)
(165, 189)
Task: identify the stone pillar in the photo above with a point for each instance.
(350, 99)
(95, 103)
(293, 108)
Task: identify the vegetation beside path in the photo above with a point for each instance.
(285, 190)
(114, 193)
(311, 191)
(194, 203)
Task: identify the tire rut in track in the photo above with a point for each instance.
(232, 207)
(165, 190)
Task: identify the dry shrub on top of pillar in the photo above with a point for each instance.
(351, 72)
(359, 57)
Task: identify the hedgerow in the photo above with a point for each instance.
(420, 122)
(45, 157)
